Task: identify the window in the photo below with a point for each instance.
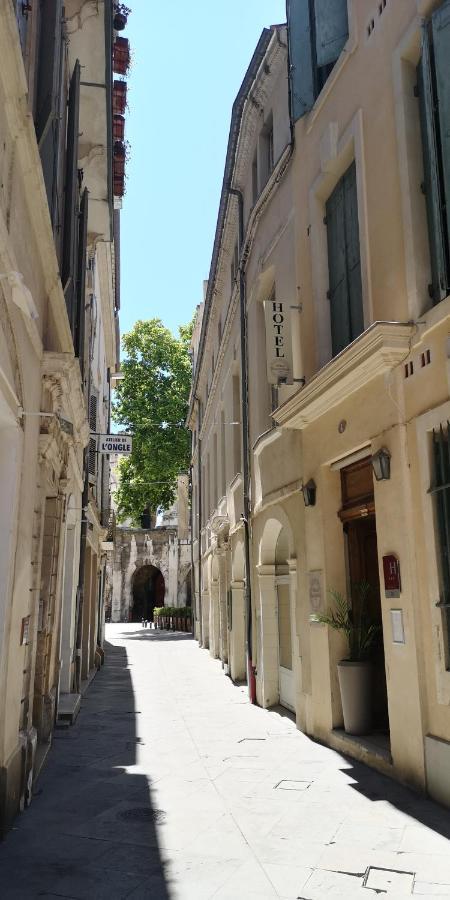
(344, 263)
(255, 179)
(440, 490)
(317, 33)
(434, 97)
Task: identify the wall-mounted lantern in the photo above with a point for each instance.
(309, 493)
(381, 464)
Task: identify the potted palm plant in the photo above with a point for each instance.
(354, 672)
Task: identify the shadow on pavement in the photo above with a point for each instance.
(147, 634)
(91, 831)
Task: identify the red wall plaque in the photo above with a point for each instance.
(391, 570)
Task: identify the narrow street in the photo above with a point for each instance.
(170, 785)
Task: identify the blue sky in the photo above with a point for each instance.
(189, 59)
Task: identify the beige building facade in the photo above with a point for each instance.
(355, 240)
(58, 343)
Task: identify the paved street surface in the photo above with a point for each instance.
(170, 785)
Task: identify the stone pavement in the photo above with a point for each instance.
(170, 786)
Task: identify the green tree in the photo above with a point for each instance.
(151, 402)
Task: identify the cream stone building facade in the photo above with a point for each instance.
(58, 343)
(355, 239)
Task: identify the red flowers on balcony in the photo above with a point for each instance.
(121, 55)
(119, 97)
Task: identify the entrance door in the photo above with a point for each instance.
(359, 520)
(286, 675)
(363, 567)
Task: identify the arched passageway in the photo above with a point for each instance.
(148, 591)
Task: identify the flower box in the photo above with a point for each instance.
(118, 127)
(121, 55)
(119, 97)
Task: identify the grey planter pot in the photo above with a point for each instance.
(355, 682)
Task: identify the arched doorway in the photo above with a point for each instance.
(148, 591)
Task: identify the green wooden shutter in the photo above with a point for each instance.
(48, 92)
(70, 232)
(338, 290)
(81, 279)
(440, 24)
(301, 64)
(353, 255)
(331, 25)
(431, 172)
(344, 263)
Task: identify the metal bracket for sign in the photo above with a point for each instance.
(299, 307)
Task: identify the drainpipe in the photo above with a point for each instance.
(251, 673)
(199, 516)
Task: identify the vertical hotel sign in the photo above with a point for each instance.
(278, 341)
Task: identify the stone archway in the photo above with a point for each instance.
(148, 590)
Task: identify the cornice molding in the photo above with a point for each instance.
(379, 349)
(61, 377)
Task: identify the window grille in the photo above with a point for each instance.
(440, 490)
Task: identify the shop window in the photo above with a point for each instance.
(434, 98)
(344, 263)
(318, 31)
(440, 491)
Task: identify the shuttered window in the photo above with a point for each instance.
(71, 199)
(434, 95)
(92, 462)
(22, 14)
(48, 98)
(441, 492)
(317, 32)
(81, 279)
(344, 263)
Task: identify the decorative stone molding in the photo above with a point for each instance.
(61, 378)
(378, 350)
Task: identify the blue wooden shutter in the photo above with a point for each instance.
(48, 93)
(353, 255)
(431, 171)
(301, 65)
(331, 25)
(337, 268)
(71, 197)
(440, 24)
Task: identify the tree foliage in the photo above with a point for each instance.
(151, 403)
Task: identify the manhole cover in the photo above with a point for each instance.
(242, 740)
(287, 785)
(142, 814)
(389, 881)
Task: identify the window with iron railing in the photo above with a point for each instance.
(440, 490)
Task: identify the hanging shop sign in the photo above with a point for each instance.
(278, 341)
(115, 443)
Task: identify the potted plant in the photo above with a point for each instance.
(121, 55)
(354, 672)
(121, 14)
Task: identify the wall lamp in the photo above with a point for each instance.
(309, 493)
(381, 464)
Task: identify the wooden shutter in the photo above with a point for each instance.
(338, 289)
(22, 22)
(92, 462)
(431, 172)
(344, 263)
(353, 254)
(331, 25)
(440, 24)
(301, 64)
(48, 93)
(81, 279)
(70, 233)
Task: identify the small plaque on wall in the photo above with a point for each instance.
(398, 630)
(391, 571)
(315, 582)
(25, 631)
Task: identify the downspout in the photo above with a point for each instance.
(251, 674)
(199, 516)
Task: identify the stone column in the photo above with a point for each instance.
(214, 619)
(238, 665)
(205, 619)
(223, 617)
(267, 674)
